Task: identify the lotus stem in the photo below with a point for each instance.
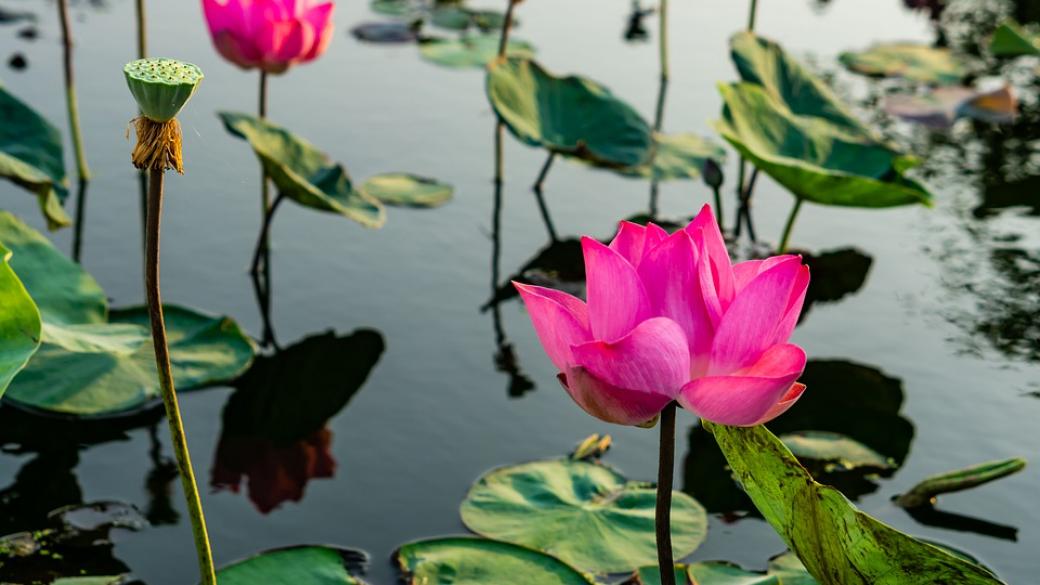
(662, 92)
(662, 37)
(789, 226)
(540, 198)
(718, 206)
(169, 393)
(142, 31)
(663, 511)
(261, 243)
(70, 93)
(265, 187)
(752, 12)
(507, 25)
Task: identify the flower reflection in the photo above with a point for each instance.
(274, 473)
(275, 437)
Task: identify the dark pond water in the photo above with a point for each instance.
(946, 316)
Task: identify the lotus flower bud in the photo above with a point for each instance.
(162, 86)
(712, 174)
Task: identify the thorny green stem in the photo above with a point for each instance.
(169, 393)
(789, 226)
(265, 186)
(70, 93)
(662, 519)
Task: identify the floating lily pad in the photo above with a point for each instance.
(835, 450)
(571, 115)
(785, 569)
(108, 580)
(204, 350)
(20, 326)
(451, 17)
(677, 156)
(395, 7)
(909, 61)
(470, 51)
(31, 157)
(587, 514)
(836, 542)
(476, 561)
(61, 289)
(302, 172)
(299, 565)
(790, 125)
(385, 33)
(93, 363)
(1009, 40)
(407, 190)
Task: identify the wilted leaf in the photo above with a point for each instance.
(570, 115)
(476, 561)
(835, 450)
(927, 490)
(941, 107)
(302, 172)
(587, 514)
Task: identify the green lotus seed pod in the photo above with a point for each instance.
(162, 86)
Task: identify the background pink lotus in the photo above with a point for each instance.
(269, 34)
(669, 317)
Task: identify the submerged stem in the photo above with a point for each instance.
(789, 226)
(70, 93)
(169, 393)
(265, 229)
(662, 521)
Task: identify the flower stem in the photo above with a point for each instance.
(662, 37)
(169, 394)
(142, 31)
(665, 467)
(752, 12)
(70, 93)
(507, 25)
(789, 226)
(718, 209)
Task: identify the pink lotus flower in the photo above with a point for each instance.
(269, 34)
(668, 318)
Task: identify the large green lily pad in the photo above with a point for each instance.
(571, 115)
(302, 172)
(91, 363)
(1009, 40)
(204, 350)
(471, 50)
(63, 291)
(587, 514)
(20, 326)
(836, 542)
(790, 125)
(907, 60)
(476, 561)
(31, 157)
(298, 565)
(407, 190)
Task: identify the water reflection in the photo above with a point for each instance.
(50, 528)
(274, 438)
(836, 274)
(855, 400)
(635, 28)
(930, 516)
